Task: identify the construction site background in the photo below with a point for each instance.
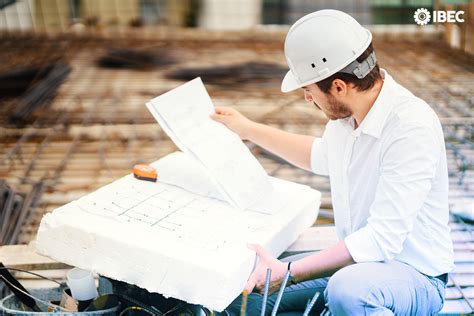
(75, 76)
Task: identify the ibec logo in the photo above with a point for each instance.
(422, 16)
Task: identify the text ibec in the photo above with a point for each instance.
(448, 16)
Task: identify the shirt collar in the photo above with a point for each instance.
(375, 119)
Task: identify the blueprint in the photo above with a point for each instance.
(184, 114)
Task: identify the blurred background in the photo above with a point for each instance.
(75, 76)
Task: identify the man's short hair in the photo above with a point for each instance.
(360, 84)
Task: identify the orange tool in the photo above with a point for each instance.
(145, 172)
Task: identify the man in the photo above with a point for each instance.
(383, 150)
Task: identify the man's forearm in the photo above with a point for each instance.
(294, 148)
(322, 264)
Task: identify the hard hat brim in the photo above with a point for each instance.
(289, 83)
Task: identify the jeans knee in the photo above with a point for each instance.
(345, 292)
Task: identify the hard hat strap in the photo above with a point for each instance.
(360, 70)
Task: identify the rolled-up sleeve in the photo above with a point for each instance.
(408, 165)
(319, 155)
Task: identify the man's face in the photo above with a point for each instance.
(327, 103)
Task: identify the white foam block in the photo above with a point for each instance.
(176, 236)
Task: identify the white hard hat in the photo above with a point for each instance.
(322, 43)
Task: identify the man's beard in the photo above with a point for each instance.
(336, 110)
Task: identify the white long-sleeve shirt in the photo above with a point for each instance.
(389, 182)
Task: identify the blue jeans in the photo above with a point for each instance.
(372, 288)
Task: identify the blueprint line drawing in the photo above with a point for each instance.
(168, 208)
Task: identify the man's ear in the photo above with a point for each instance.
(339, 87)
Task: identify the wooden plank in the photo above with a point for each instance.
(315, 238)
(25, 257)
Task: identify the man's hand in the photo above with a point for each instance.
(257, 278)
(234, 120)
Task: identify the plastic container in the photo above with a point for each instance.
(11, 306)
(82, 284)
